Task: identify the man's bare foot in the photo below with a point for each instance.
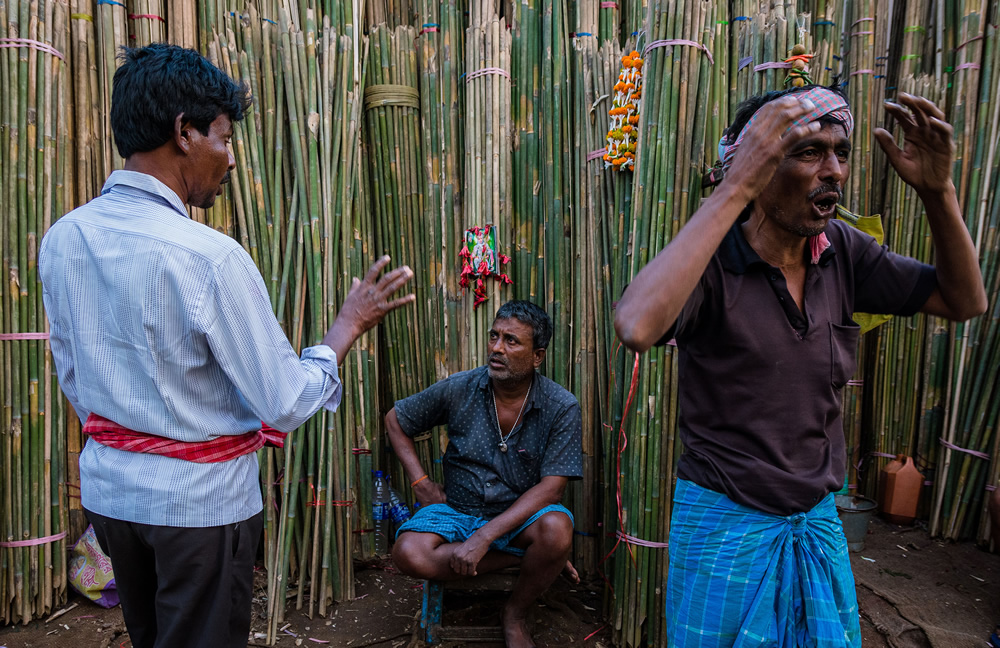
(515, 631)
(569, 573)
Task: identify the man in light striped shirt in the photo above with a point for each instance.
(164, 327)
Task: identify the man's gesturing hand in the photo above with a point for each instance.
(925, 159)
(366, 304)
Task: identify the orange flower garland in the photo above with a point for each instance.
(624, 113)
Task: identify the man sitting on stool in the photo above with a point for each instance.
(514, 440)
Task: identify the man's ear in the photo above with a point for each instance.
(539, 357)
(182, 133)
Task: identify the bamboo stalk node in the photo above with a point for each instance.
(391, 94)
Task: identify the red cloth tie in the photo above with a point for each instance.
(217, 450)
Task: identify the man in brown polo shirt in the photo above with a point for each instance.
(758, 289)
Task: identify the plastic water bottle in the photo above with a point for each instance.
(380, 513)
(399, 512)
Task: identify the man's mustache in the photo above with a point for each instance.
(827, 188)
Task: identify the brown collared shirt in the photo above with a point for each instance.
(760, 387)
(479, 479)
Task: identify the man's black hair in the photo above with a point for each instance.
(746, 109)
(156, 83)
(531, 314)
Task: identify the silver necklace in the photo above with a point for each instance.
(503, 439)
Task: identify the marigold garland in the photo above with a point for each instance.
(624, 113)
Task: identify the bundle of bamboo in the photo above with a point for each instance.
(35, 176)
(972, 429)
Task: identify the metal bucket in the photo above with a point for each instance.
(855, 513)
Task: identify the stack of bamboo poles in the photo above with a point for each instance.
(972, 426)
(112, 33)
(667, 188)
(36, 169)
(182, 23)
(401, 221)
(148, 22)
(595, 70)
(297, 209)
(440, 55)
(488, 200)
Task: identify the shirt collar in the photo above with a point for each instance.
(146, 183)
(737, 256)
(484, 384)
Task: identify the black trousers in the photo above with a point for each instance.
(178, 586)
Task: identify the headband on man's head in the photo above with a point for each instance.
(827, 102)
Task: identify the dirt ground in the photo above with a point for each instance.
(914, 592)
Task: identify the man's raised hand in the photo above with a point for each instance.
(925, 159)
(368, 301)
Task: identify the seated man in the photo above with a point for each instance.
(514, 440)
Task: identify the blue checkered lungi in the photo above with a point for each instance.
(459, 527)
(739, 577)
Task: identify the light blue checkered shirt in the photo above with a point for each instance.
(163, 325)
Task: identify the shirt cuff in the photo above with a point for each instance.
(326, 359)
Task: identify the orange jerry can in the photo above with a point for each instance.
(899, 490)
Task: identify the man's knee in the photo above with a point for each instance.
(554, 531)
(412, 556)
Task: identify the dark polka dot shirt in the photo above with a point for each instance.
(479, 478)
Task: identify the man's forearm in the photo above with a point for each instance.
(404, 447)
(960, 294)
(548, 491)
(656, 296)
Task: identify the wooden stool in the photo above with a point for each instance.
(432, 612)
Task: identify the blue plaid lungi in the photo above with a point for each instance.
(459, 527)
(739, 577)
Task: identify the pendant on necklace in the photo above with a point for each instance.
(503, 446)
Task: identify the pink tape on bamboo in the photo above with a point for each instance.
(593, 155)
(974, 38)
(772, 65)
(640, 542)
(990, 487)
(861, 20)
(974, 453)
(485, 71)
(865, 33)
(679, 41)
(148, 17)
(967, 66)
(609, 5)
(863, 72)
(24, 336)
(35, 541)
(33, 44)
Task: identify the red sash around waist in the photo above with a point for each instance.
(223, 448)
